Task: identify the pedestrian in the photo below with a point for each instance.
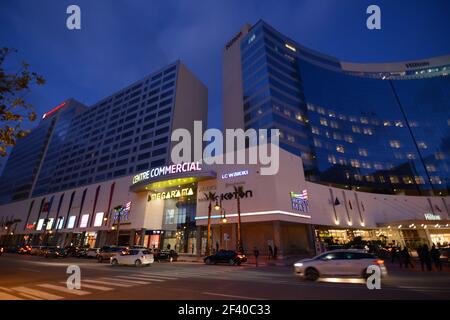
(394, 254)
(421, 258)
(436, 257)
(426, 257)
(270, 252)
(275, 251)
(406, 257)
(217, 246)
(256, 254)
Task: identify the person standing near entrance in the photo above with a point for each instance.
(406, 258)
(436, 257)
(256, 254)
(270, 252)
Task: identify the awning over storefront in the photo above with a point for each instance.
(162, 182)
(416, 224)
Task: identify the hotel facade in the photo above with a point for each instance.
(364, 153)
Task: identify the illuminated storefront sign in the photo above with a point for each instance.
(166, 170)
(124, 212)
(229, 195)
(30, 226)
(235, 174)
(171, 194)
(299, 201)
(430, 216)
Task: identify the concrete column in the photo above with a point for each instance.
(277, 239)
(141, 242)
(132, 234)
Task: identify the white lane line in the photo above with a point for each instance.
(108, 283)
(232, 296)
(124, 280)
(29, 296)
(32, 270)
(156, 275)
(142, 278)
(6, 296)
(91, 286)
(64, 289)
(38, 293)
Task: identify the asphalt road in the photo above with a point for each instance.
(30, 277)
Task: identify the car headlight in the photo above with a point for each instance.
(298, 264)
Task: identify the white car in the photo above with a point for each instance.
(338, 263)
(137, 257)
(92, 252)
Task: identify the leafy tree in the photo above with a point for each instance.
(14, 85)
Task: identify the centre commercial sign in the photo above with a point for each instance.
(167, 170)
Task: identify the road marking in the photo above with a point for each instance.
(232, 296)
(29, 296)
(6, 296)
(126, 281)
(142, 278)
(32, 270)
(109, 283)
(156, 275)
(64, 289)
(91, 286)
(138, 281)
(37, 293)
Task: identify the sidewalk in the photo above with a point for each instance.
(262, 260)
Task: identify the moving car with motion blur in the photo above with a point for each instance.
(54, 252)
(37, 250)
(226, 256)
(26, 249)
(345, 263)
(106, 252)
(136, 257)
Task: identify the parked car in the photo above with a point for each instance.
(338, 263)
(137, 257)
(37, 250)
(105, 253)
(226, 256)
(165, 255)
(92, 252)
(54, 252)
(26, 249)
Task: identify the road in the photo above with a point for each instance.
(35, 278)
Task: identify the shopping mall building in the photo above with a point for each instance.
(365, 151)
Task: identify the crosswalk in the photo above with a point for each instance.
(58, 290)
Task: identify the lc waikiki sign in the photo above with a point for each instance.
(167, 170)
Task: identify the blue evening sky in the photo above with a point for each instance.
(122, 41)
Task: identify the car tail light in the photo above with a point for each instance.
(379, 261)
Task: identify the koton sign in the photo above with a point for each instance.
(167, 170)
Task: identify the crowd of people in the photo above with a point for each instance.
(427, 257)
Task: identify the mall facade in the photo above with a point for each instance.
(365, 152)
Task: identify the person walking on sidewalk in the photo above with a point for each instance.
(406, 258)
(426, 258)
(270, 252)
(436, 257)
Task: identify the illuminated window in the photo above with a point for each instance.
(299, 116)
(370, 178)
(317, 143)
(84, 220)
(419, 180)
(331, 114)
(354, 163)
(422, 145)
(331, 159)
(334, 124)
(407, 180)
(353, 119)
(321, 110)
(348, 138)
(50, 223)
(342, 161)
(251, 39)
(436, 180)
(364, 120)
(357, 177)
(362, 152)
(387, 123)
(340, 149)
(382, 179)
(439, 156)
(356, 129)
(398, 155)
(71, 222)
(366, 165)
(410, 156)
(310, 107)
(394, 144)
(290, 138)
(314, 130)
(39, 224)
(60, 223)
(399, 124)
(368, 131)
(287, 113)
(431, 168)
(336, 136)
(378, 166)
(394, 179)
(98, 219)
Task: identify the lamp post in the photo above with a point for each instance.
(239, 191)
(211, 196)
(119, 210)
